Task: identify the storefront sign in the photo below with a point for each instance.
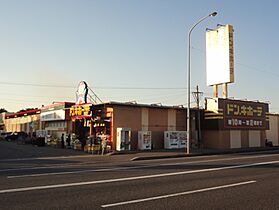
(80, 111)
(235, 114)
(244, 115)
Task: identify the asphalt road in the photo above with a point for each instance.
(49, 178)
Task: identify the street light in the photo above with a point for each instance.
(189, 68)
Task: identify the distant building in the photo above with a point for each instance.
(2, 118)
(26, 121)
(55, 119)
(272, 134)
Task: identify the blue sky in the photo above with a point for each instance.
(130, 50)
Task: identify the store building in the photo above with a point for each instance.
(232, 124)
(2, 118)
(55, 119)
(81, 118)
(26, 121)
(112, 118)
(272, 135)
(121, 125)
(224, 124)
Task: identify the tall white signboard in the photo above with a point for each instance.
(220, 55)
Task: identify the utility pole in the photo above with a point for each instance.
(197, 95)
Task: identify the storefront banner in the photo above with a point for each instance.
(53, 115)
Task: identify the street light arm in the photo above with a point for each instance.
(211, 14)
(191, 29)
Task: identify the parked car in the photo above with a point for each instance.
(21, 139)
(3, 135)
(11, 136)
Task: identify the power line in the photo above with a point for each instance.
(142, 88)
(96, 87)
(35, 96)
(19, 100)
(35, 85)
(256, 69)
(241, 64)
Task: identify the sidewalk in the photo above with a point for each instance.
(161, 154)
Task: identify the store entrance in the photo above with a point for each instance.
(102, 132)
(82, 130)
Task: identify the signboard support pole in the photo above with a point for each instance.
(225, 90)
(215, 91)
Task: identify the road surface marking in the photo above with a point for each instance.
(46, 158)
(76, 172)
(117, 168)
(267, 152)
(176, 194)
(221, 159)
(64, 165)
(133, 178)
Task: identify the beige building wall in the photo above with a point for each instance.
(139, 118)
(11, 125)
(235, 139)
(158, 123)
(156, 120)
(244, 138)
(273, 133)
(127, 117)
(147, 118)
(171, 120)
(144, 119)
(216, 139)
(181, 120)
(254, 138)
(229, 139)
(22, 123)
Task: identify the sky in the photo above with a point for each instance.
(131, 50)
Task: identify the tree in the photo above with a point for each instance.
(3, 110)
(27, 109)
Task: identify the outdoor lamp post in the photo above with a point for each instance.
(189, 70)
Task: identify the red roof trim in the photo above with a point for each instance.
(57, 104)
(33, 111)
(77, 105)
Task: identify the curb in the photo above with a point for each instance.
(158, 157)
(237, 151)
(121, 153)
